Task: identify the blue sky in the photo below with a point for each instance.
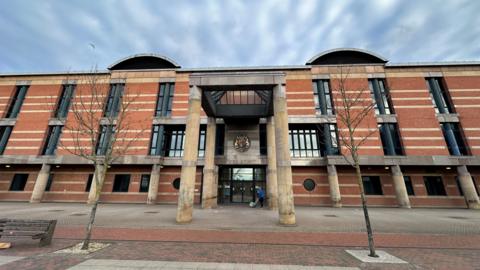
(56, 35)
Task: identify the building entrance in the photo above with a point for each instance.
(238, 184)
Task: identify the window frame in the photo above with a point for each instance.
(454, 129)
(23, 185)
(52, 139)
(163, 107)
(16, 101)
(434, 189)
(381, 96)
(439, 93)
(5, 132)
(323, 97)
(391, 140)
(409, 185)
(375, 187)
(106, 131)
(118, 183)
(142, 188)
(113, 100)
(65, 100)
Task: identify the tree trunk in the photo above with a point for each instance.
(88, 234)
(371, 244)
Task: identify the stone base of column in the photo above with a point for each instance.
(399, 186)
(153, 185)
(40, 184)
(468, 187)
(335, 195)
(209, 198)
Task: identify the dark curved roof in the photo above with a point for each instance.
(144, 61)
(346, 56)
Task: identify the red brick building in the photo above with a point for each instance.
(426, 140)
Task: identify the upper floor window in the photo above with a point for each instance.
(454, 138)
(169, 140)
(113, 100)
(17, 101)
(65, 100)
(372, 185)
(156, 143)
(390, 139)
(379, 92)
(164, 99)
(220, 139)
(323, 97)
(329, 140)
(5, 132)
(263, 139)
(104, 137)
(439, 95)
(313, 140)
(52, 140)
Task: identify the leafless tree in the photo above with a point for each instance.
(355, 106)
(88, 117)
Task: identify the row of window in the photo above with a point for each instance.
(121, 182)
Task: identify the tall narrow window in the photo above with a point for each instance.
(202, 141)
(121, 183)
(434, 186)
(164, 99)
(329, 144)
(65, 100)
(113, 100)
(263, 139)
(409, 185)
(304, 141)
(390, 139)
(18, 182)
(379, 92)
(89, 183)
(454, 138)
(323, 97)
(156, 144)
(5, 132)
(372, 185)
(17, 101)
(144, 183)
(52, 140)
(48, 187)
(440, 97)
(220, 140)
(103, 142)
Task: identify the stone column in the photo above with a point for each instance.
(153, 185)
(92, 195)
(272, 186)
(209, 187)
(189, 162)
(286, 208)
(40, 184)
(335, 195)
(468, 187)
(400, 189)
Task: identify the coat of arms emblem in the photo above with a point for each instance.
(241, 143)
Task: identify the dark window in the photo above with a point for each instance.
(202, 141)
(459, 186)
(144, 182)
(176, 183)
(17, 101)
(409, 185)
(103, 142)
(454, 139)
(323, 97)
(5, 132)
(156, 143)
(65, 100)
(121, 183)
(164, 99)
(440, 98)
(434, 186)
(19, 181)
(52, 140)
(89, 183)
(379, 92)
(49, 182)
(263, 139)
(329, 140)
(113, 100)
(309, 184)
(390, 139)
(372, 185)
(220, 140)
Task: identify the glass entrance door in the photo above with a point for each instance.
(238, 184)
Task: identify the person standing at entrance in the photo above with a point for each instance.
(260, 196)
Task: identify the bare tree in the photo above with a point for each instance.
(355, 107)
(101, 129)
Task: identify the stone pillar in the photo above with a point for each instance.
(153, 185)
(209, 187)
(400, 189)
(40, 184)
(189, 162)
(286, 208)
(272, 186)
(92, 195)
(335, 195)
(468, 187)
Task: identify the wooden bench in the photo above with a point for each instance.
(36, 229)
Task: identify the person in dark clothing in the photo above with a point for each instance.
(261, 196)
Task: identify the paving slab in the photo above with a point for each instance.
(383, 257)
(9, 259)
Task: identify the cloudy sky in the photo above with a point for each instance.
(58, 35)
